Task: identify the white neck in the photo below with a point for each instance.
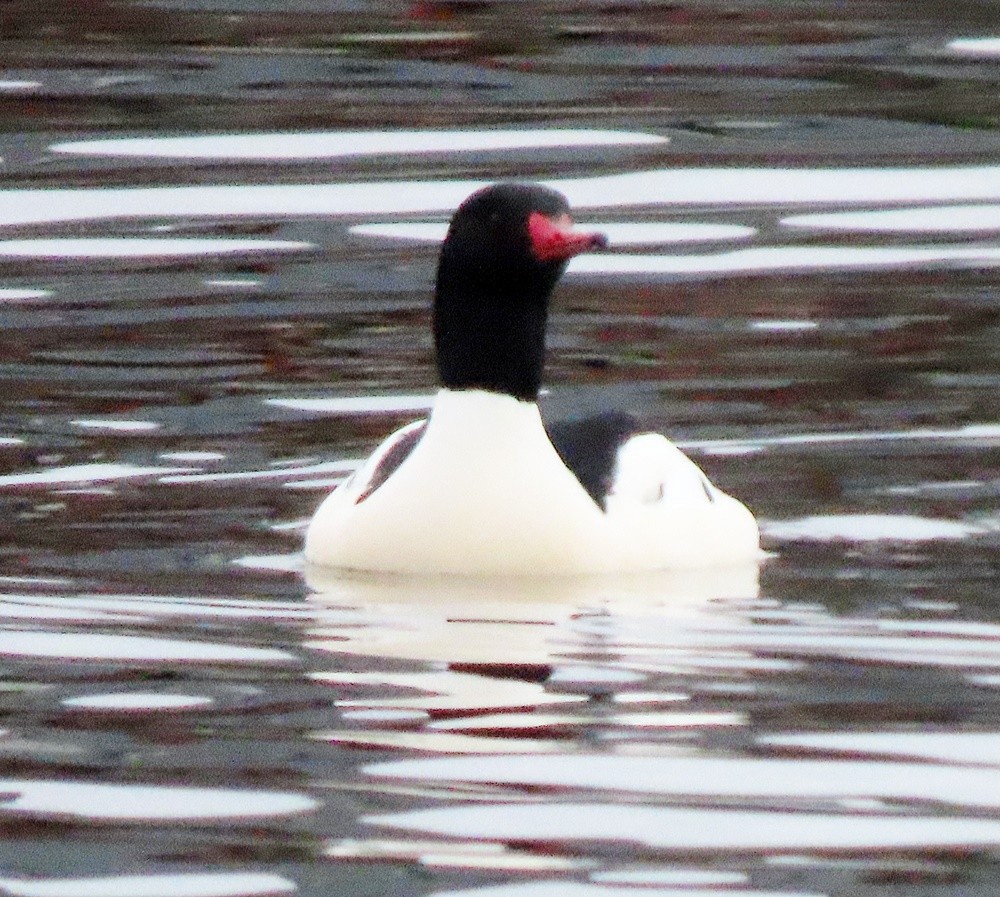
(490, 421)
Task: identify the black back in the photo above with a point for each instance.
(589, 448)
(491, 300)
(392, 460)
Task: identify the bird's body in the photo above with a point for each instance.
(482, 488)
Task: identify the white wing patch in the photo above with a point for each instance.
(651, 470)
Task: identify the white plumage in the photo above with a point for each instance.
(485, 493)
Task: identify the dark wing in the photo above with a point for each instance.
(389, 456)
(589, 448)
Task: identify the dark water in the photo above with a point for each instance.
(193, 336)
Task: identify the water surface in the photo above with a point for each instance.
(218, 224)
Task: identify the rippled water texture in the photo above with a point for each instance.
(218, 223)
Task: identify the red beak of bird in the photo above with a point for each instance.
(554, 240)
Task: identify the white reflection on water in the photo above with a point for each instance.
(23, 607)
(341, 144)
(686, 829)
(177, 884)
(927, 219)
(138, 702)
(981, 748)
(465, 855)
(676, 722)
(674, 877)
(66, 800)
(871, 528)
(491, 729)
(148, 607)
(193, 457)
(444, 36)
(40, 581)
(784, 326)
(521, 624)
(358, 404)
(497, 621)
(305, 471)
(967, 433)
(95, 204)
(976, 46)
(675, 186)
(785, 258)
(436, 742)
(614, 889)
(275, 563)
(858, 640)
(100, 648)
(512, 722)
(618, 233)
(117, 426)
(741, 778)
(751, 186)
(450, 691)
(21, 295)
(234, 283)
(139, 247)
(85, 473)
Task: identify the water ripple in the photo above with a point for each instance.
(88, 802)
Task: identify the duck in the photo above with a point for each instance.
(482, 486)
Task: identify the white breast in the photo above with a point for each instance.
(485, 493)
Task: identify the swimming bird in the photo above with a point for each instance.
(482, 487)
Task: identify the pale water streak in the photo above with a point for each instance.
(680, 187)
(358, 404)
(790, 259)
(625, 888)
(160, 607)
(118, 426)
(873, 527)
(341, 144)
(139, 248)
(618, 233)
(978, 748)
(683, 830)
(131, 649)
(177, 884)
(922, 220)
(86, 473)
(789, 781)
(12, 294)
(976, 46)
(176, 804)
(138, 702)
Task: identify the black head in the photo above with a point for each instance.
(507, 245)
